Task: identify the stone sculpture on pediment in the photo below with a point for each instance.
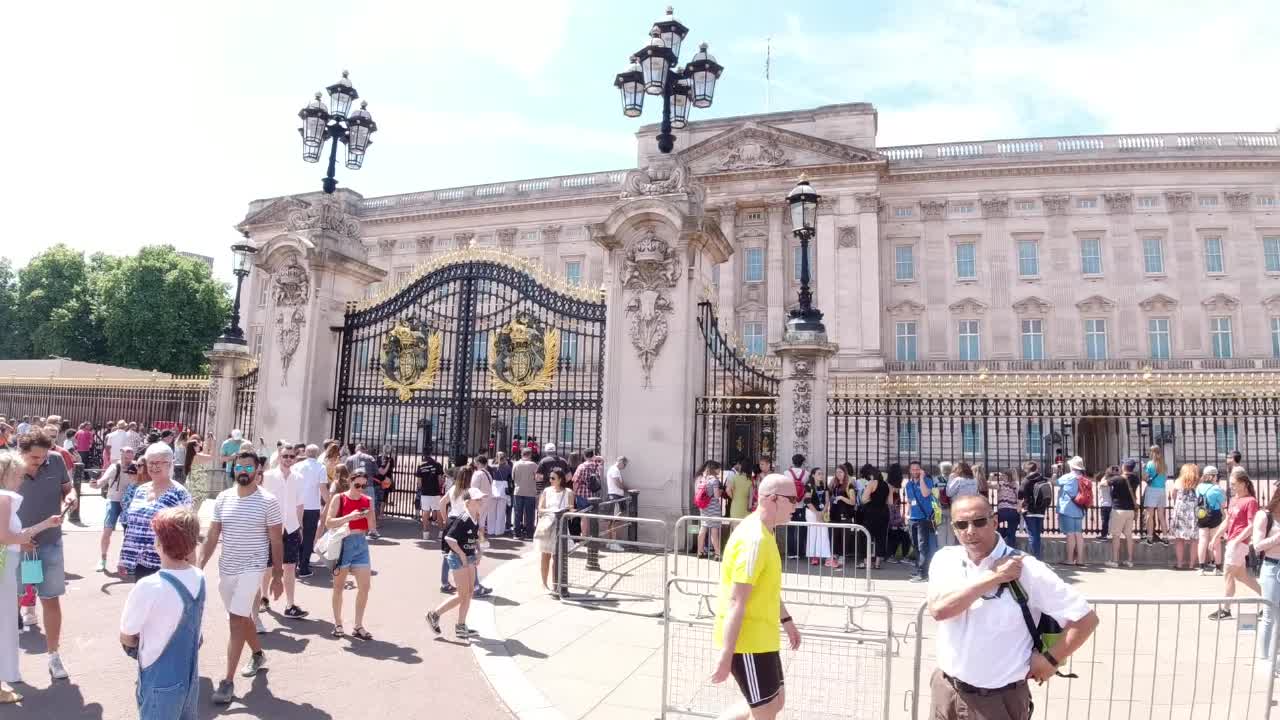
(1238, 199)
(968, 306)
(906, 308)
(652, 180)
(995, 207)
(1221, 302)
(276, 212)
(387, 244)
(426, 242)
(462, 240)
(1032, 305)
(325, 216)
(1178, 201)
(933, 209)
(754, 154)
(1158, 303)
(1096, 304)
(291, 286)
(1119, 202)
(1272, 304)
(650, 268)
(1055, 204)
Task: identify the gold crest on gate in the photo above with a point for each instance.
(410, 360)
(523, 357)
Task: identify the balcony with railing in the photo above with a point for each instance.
(1085, 147)
(548, 188)
(1080, 365)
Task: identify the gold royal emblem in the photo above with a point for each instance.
(522, 357)
(410, 361)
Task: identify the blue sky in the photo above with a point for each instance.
(150, 122)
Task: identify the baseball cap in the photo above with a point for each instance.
(476, 494)
(551, 447)
(1210, 470)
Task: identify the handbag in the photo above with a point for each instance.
(543, 530)
(329, 546)
(32, 569)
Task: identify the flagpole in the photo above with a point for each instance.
(768, 84)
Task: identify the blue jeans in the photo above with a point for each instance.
(1007, 519)
(1035, 526)
(525, 509)
(1269, 579)
(925, 538)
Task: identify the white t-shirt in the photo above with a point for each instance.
(15, 525)
(613, 479)
(154, 609)
(116, 440)
(313, 477)
(288, 493)
(553, 499)
(481, 481)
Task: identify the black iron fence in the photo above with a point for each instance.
(246, 403)
(151, 402)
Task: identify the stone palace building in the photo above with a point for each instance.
(982, 261)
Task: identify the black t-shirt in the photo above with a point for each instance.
(1122, 497)
(429, 474)
(389, 461)
(465, 531)
(817, 496)
(552, 462)
(879, 497)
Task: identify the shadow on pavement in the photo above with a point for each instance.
(257, 703)
(60, 700)
(511, 647)
(382, 650)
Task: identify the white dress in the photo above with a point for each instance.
(9, 588)
(552, 500)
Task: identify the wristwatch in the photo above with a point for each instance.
(1049, 656)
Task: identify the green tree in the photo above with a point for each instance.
(9, 343)
(160, 310)
(56, 309)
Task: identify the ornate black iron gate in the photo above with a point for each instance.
(482, 352)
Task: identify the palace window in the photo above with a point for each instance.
(1148, 202)
(1033, 339)
(257, 339)
(971, 438)
(1089, 203)
(970, 347)
(905, 336)
(1213, 262)
(715, 274)
(1158, 338)
(1266, 201)
(1152, 256)
(1275, 337)
(962, 208)
(1271, 252)
(753, 336)
(1224, 436)
(904, 264)
(1095, 338)
(795, 264)
(566, 432)
(903, 212)
(1025, 205)
(1035, 440)
(573, 272)
(1208, 201)
(1028, 258)
(264, 290)
(966, 261)
(755, 216)
(908, 437)
(753, 265)
(1091, 256)
(1220, 337)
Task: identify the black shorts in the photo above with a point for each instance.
(292, 547)
(759, 676)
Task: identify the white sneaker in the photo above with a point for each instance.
(615, 547)
(257, 623)
(425, 536)
(29, 619)
(56, 669)
(485, 544)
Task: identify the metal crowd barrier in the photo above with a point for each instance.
(599, 559)
(832, 676)
(1149, 659)
(806, 583)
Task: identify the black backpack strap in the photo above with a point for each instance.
(1037, 640)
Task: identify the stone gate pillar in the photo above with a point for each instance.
(316, 266)
(802, 401)
(227, 361)
(659, 255)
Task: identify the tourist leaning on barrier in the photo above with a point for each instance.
(749, 608)
(1183, 528)
(922, 516)
(1266, 542)
(1237, 533)
(985, 597)
(1210, 500)
(708, 493)
(1156, 498)
(1125, 489)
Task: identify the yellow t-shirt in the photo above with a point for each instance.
(751, 557)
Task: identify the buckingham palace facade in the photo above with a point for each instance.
(1109, 254)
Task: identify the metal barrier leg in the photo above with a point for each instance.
(593, 543)
(561, 559)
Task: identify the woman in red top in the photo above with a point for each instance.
(350, 506)
(1237, 531)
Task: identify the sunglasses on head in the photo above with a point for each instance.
(975, 523)
(243, 468)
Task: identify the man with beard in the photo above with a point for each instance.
(250, 524)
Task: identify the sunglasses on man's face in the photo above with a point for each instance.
(976, 523)
(288, 457)
(243, 468)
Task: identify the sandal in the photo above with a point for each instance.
(361, 633)
(9, 697)
(337, 631)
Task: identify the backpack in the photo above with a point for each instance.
(1041, 496)
(1044, 634)
(593, 480)
(1084, 492)
(701, 498)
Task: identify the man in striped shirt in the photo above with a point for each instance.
(250, 524)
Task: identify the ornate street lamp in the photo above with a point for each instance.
(339, 125)
(241, 254)
(803, 202)
(654, 71)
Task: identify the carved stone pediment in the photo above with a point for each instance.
(387, 244)
(933, 209)
(277, 211)
(1158, 303)
(995, 207)
(1096, 304)
(868, 202)
(425, 242)
(1178, 201)
(1119, 202)
(324, 216)
(1032, 306)
(462, 240)
(757, 146)
(906, 308)
(1272, 304)
(1238, 200)
(1055, 204)
(1221, 302)
(968, 306)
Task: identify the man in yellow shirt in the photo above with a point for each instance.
(750, 609)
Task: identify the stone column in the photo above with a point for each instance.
(729, 275)
(823, 270)
(802, 404)
(659, 256)
(776, 274)
(316, 268)
(870, 302)
(227, 361)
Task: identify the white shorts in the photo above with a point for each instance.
(429, 503)
(238, 590)
(1236, 554)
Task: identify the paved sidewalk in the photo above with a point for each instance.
(564, 660)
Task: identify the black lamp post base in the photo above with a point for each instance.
(229, 339)
(806, 321)
(666, 142)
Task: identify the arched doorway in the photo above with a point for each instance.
(1099, 441)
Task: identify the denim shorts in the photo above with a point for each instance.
(114, 510)
(55, 576)
(1069, 525)
(355, 551)
(455, 562)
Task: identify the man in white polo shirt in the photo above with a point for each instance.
(985, 648)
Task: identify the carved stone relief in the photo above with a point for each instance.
(325, 216)
(426, 242)
(291, 286)
(933, 209)
(847, 236)
(1055, 204)
(507, 239)
(1096, 304)
(968, 306)
(1238, 199)
(1119, 202)
(1032, 306)
(1158, 303)
(802, 404)
(1221, 302)
(386, 244)
(656, 181)
(462, 240)
(996, 207)
(1272, 304)
(906, 308)
(289, 325)
(551, 234)
(1178, 201)
(868, 202)
(754, 154)
(650, 268)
